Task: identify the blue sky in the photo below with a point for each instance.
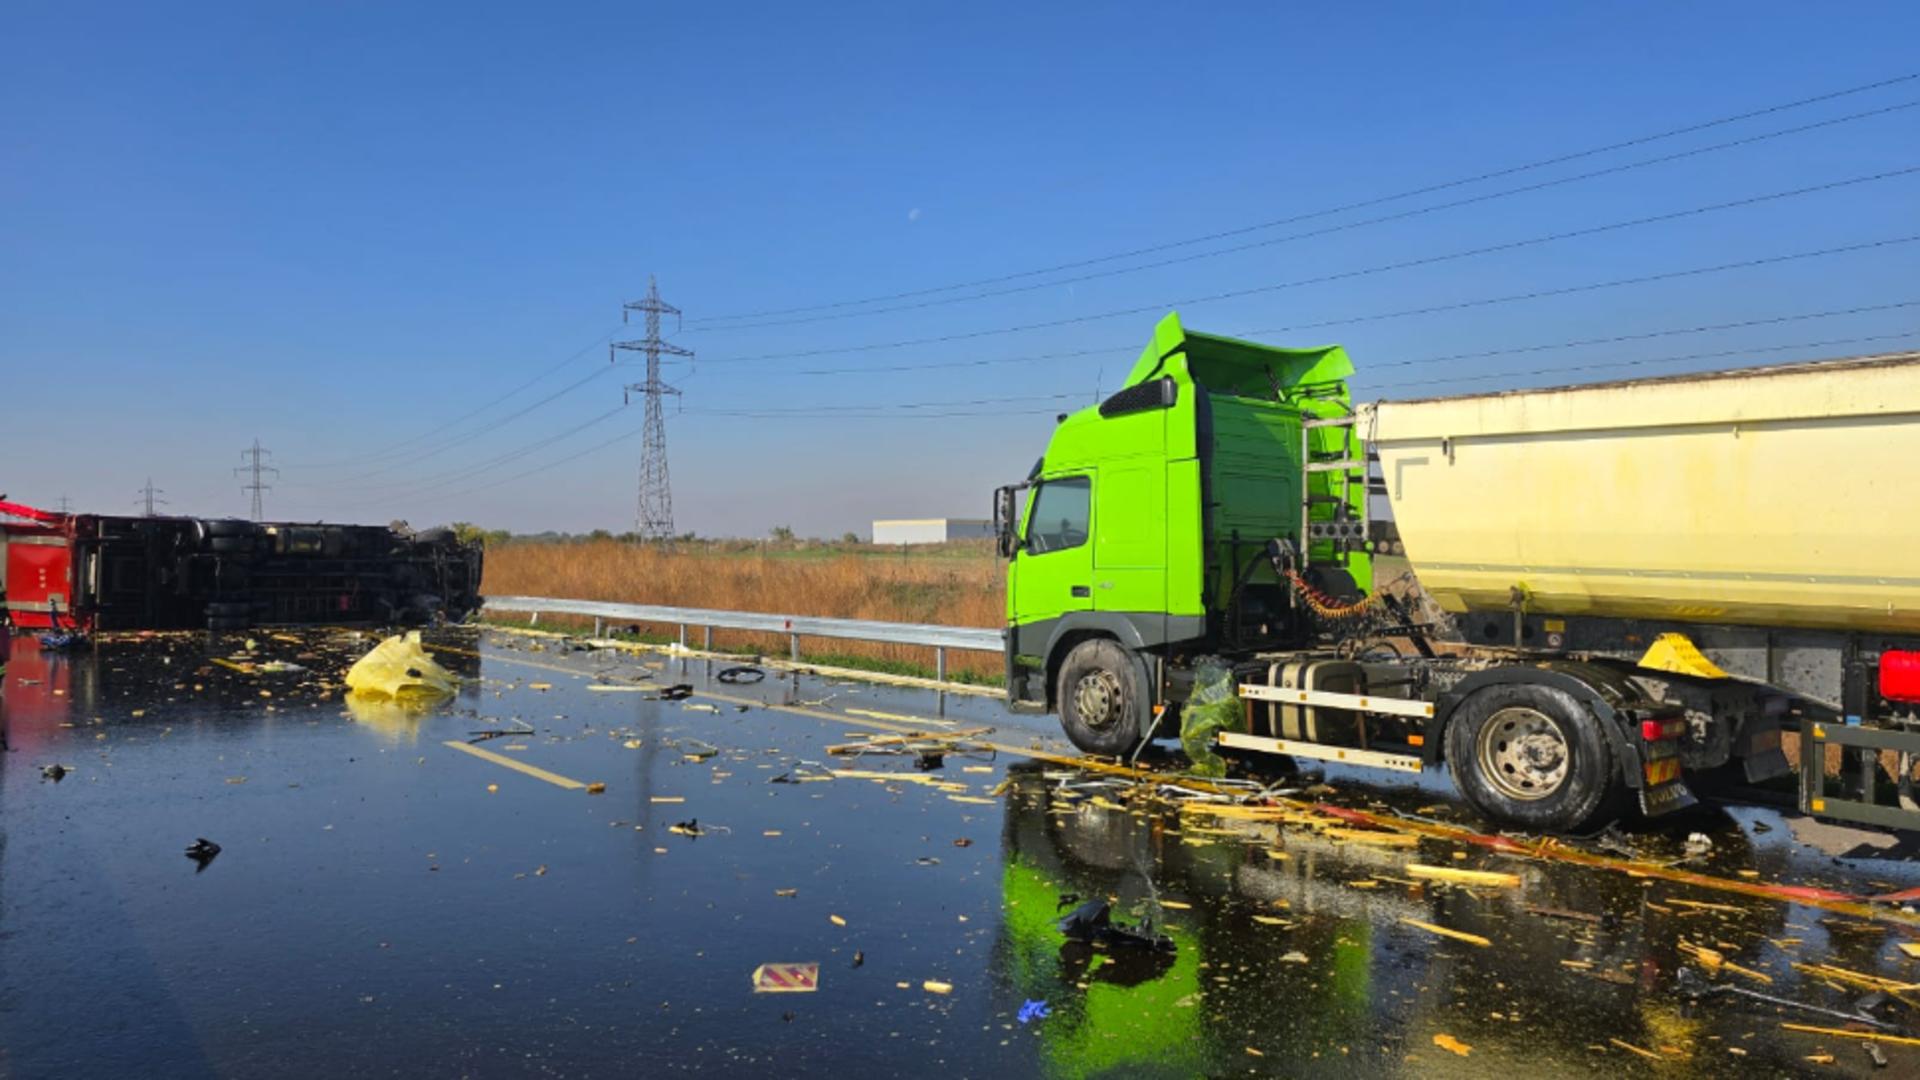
(346, 228)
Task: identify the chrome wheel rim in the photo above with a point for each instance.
(1523, 753)
(1096, 698)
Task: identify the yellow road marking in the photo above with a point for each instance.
(534, 771)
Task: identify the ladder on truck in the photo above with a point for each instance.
(1346, 530)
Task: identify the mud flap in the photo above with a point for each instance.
(1658, 799)
(1760, 753)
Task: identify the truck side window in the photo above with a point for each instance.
(1060, 514)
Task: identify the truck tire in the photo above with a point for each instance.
(1099, 696)
(1533, 756)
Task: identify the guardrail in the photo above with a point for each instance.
(929, 635)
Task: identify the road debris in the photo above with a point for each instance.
(1092, 923)
(1641, 1050)
(786, 978)
(202, 851)
(1872, 1036)
(55, 772)
(740, 675)
(1489, 878)
(399, 670)
(1457, 935)
(935, 986)
(1452, 1045)
(1034, 1009)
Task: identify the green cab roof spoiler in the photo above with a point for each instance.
(1242, 368)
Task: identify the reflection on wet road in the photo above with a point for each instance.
(452, 892)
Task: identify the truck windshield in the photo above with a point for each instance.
(1060, 515)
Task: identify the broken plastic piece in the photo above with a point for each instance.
(1448, 1042)
(398, 669)
(1033, 1010)
(202, 852)
(740, 674)
(1092, 922)
(786, 978)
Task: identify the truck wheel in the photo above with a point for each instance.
(1533, 756)
(1099, 695)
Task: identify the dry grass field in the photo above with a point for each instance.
(956, 584)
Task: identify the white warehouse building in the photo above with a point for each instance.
(930, 530)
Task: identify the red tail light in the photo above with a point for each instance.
(1900, 675)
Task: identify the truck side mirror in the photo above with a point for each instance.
(1006, 520)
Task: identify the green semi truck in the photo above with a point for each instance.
(1591, 598)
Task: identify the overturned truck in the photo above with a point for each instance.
(106, 572)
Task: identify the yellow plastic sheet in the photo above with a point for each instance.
(398, 669)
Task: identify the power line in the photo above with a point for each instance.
(396, 488)
(1342, 227)
(1772, 320)
(1427, 189)
(492, 427)
(1557, 369)
(431, 432)
(1321, 279)
(1133, 347)
(255, 467)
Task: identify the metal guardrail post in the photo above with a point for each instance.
(706, 638)
(940, 662)
(599, 627)
(683, 636)
(793, 643)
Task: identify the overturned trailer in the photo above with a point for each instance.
(106, 572)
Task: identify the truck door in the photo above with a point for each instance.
(1052, 572)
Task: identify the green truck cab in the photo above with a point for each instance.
(1146, 534)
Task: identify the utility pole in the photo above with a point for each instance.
(254, 468)
(147, 495)
(655, 510)
(66, 504)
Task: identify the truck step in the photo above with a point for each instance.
(1343, 465)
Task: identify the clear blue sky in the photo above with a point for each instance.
(340, 227)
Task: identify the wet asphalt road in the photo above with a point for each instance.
(387, 903)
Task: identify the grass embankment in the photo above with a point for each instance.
(954, 584)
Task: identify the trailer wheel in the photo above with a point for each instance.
(1533, 756)
(1099, 694)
